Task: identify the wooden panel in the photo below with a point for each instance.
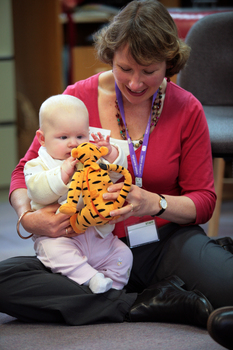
(173, 79)
(219, 166)
(171, 3)
(85, 63)
(38, 51)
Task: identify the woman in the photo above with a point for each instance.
(178, 273)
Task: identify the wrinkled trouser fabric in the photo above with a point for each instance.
(31, 292)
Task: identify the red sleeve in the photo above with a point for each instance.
(196, 168)
(17, 177)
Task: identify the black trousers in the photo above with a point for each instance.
(31, 292)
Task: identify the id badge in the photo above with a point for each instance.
(138, 181)
(141, 233)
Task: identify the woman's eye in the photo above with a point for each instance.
(149, 73)
(125, 69)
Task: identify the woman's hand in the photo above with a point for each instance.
(138, 202)
(180, 210)
(45, 222)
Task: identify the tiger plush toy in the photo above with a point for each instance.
(92, 181)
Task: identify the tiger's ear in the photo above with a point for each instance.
(74, 153)
(103, 150)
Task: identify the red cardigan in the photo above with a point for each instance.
(178, 159)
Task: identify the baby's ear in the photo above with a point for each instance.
(40, 137)
(103, 150)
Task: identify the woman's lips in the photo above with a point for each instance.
(135, 93)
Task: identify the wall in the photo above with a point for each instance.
(7, 95)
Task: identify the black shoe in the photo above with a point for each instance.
(226, 243)
(166, 301)
(220, 326)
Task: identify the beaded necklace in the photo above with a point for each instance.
(156, 111)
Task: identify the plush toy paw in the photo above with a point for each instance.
(73, 224)
(67, 209)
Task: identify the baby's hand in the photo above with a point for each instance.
(100, 141)
(68, 168)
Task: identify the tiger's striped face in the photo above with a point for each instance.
(87, 152)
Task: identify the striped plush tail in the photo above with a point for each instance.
(119, 202)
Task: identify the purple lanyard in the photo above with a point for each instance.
(137, 168)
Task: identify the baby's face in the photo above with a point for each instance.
(68, 132)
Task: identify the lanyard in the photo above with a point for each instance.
(137, 167)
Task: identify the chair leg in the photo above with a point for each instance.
(219, 167)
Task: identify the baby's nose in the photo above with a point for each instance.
(73, 143)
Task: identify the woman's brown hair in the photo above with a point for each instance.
(150, 32)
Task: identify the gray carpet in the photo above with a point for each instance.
(128, 336)
(15, 335)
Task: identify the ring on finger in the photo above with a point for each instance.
(132, 207)
(66, 232)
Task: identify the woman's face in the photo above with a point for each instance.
(137, 83)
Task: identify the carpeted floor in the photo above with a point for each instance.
(123, 336)
(15, 335)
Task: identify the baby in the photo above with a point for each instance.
(96, 258)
